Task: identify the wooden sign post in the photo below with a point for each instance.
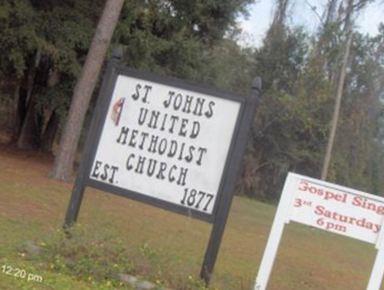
(329, 207)
(168, 143)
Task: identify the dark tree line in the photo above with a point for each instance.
(44, 45)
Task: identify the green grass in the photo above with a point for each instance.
(157, 245)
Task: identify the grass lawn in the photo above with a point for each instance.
(160, 246)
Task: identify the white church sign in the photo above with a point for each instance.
(168, 143)
(165, 142)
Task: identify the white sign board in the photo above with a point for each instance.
(165, 142)
(329, 207)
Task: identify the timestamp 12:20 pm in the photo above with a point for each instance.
(20, 273)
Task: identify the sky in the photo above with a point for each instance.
(261, 13)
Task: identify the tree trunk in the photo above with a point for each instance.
(29, 134)
(51, 119)
(280, 14)
(339, 94)
(17, 117)
(49, 134)
(83, 90)
(27, 130)
(330, 14)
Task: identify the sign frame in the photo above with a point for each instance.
(282, 217)
(96, 129)
(233, 159)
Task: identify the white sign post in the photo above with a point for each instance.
(329, 207)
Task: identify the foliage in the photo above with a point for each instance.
(86, 254)
(49, 39)
(362, 109)
(292, 125)
(18, 37)
(179, 38)
(60, 30)
(45, 42)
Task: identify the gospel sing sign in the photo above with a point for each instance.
(330, 207)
